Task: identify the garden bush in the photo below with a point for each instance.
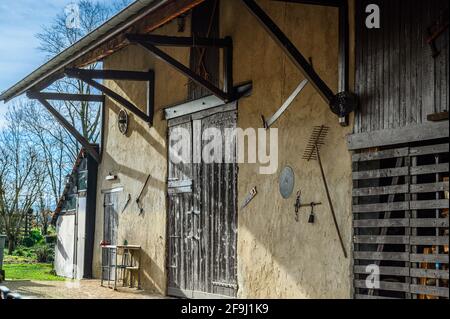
(22, 251)
(44, 253)
(35, 237)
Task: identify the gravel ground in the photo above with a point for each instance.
(84, 289)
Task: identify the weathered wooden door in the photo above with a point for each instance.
(110, 229)
(202, 222)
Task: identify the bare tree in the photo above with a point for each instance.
(56, 37)
(58, 148)
(36, 153)
(21, 174)
(53, 143)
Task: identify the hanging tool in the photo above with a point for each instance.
(249, 197)
(138, 199)
(312, 152)
(311, 215)
(126, 203)
(297, 205)
(267, 124)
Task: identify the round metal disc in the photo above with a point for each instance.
(287, 181)
(123, 121)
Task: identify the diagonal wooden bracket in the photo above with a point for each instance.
(41, 98)
(290, 49)
(89, 77)
(150, 42)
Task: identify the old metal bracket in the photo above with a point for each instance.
(341, 104)
(89, 77)
(267, 124)
(249, 197)
(150, 42)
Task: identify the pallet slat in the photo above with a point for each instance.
(390, 286)
(428, 290)
(427, 150)
(381, 256)
(381, 239)
(429, 204)
(429, 188)
(429, 273)
(429, 240)
(429, 258)
(373, 223)
(373, 156)
(383, 207)
(364, 297)
(386, 190)
(429, 222)
(429, 169)
(381, 173)
(394, 271)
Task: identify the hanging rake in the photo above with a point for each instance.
(312, 153)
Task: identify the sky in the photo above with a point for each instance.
(20, 21)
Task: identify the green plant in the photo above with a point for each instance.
(44, 253)
(22, 251)
(33, 238)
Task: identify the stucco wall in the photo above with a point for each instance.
(277, 257)
(142, 152)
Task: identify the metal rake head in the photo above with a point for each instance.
(317, 139)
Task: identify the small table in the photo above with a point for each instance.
(128, 268)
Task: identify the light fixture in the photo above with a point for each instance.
(111, 177)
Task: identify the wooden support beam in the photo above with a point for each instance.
(228, 67)
(325, 3)
(344, 47)
(155, 19)
(66, 97)
(113, 95)
(289, 48)
(47, 82)
(109, 74)
(161, 40)
(226, 97)
(81, 139)
(422, 132)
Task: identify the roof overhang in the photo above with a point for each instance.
(142, 15)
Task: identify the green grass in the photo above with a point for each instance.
(34, 271)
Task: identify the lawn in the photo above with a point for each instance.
(35, 271)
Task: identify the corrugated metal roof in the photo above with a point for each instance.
(106, 31)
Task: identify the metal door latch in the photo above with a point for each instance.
(297, 205)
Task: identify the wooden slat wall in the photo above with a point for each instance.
(401, 220)
(397, 79)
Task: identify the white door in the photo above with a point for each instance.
(64, 252)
